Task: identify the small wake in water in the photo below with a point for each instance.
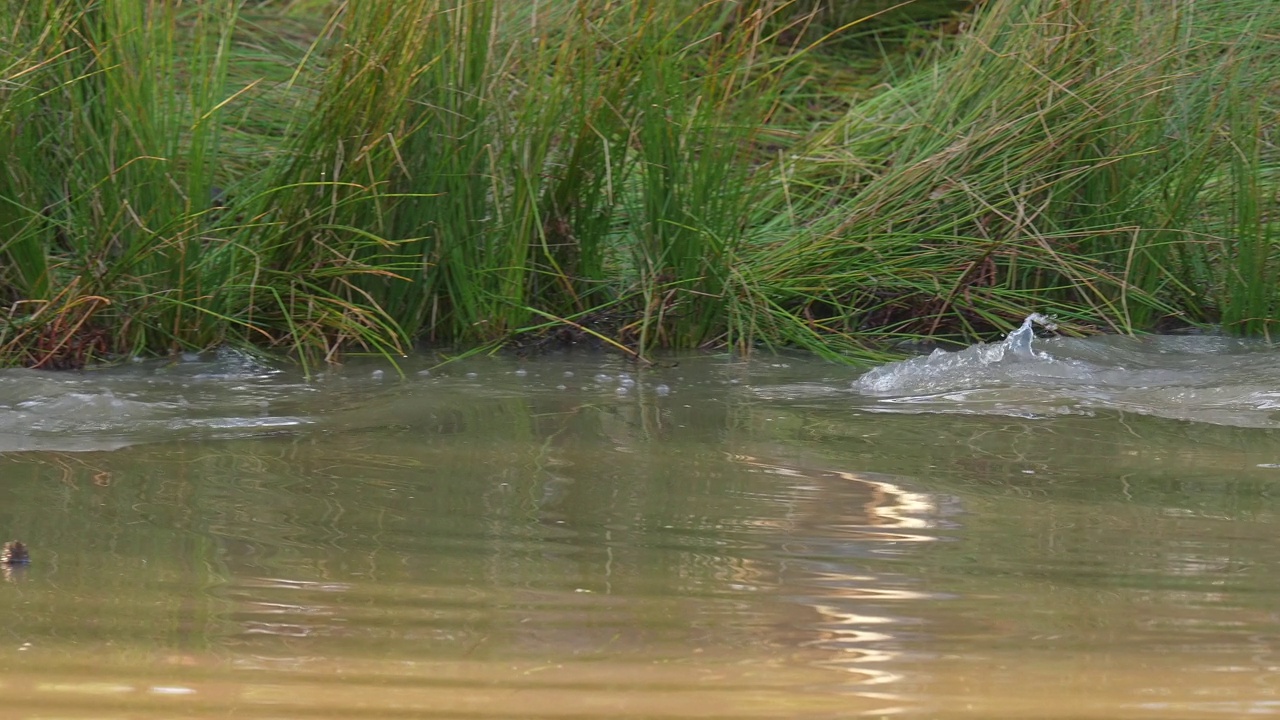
(226, 395)
(944, 371)
(1211, 379)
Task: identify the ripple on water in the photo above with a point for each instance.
(1222, 381)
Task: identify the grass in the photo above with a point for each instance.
(1099, 161)
(660, 173)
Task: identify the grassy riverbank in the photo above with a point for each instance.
(654, 173)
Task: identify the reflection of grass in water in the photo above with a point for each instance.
(1066, 525)
(1108, 457)
(182, 527)
(1078, 534)
(97, 537)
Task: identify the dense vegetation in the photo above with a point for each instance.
(644, 173)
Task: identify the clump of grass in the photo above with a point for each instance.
(104, 185)
(1056, 161)
(114, 119)
(523, 165)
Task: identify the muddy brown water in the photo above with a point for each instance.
(576, 538)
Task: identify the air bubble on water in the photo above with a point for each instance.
(560, 387)
(602, 378)
(190, 357)
(621, 391)
(376, 374)
(662, 390)
(568, 373)
(424, 373)
(472, 375)
(521, 372)
(626, 381)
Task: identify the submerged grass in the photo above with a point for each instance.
(652, 173)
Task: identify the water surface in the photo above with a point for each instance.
(1061, 529)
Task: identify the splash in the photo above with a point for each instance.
(1196, 378)
(222, 395)
(1019, 341)
(965, 368)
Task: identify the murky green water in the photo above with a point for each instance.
(723, 539)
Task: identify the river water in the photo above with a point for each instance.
(1031, 529)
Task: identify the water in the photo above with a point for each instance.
(1204, 379)
(1038, 528)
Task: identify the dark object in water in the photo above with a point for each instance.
(14, 553)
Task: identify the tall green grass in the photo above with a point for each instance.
(455, 169)
(103, 186)
(111, 239)
(178, 176)
(1101, 161)
(529, 165)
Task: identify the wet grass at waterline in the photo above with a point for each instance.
(651, 174)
